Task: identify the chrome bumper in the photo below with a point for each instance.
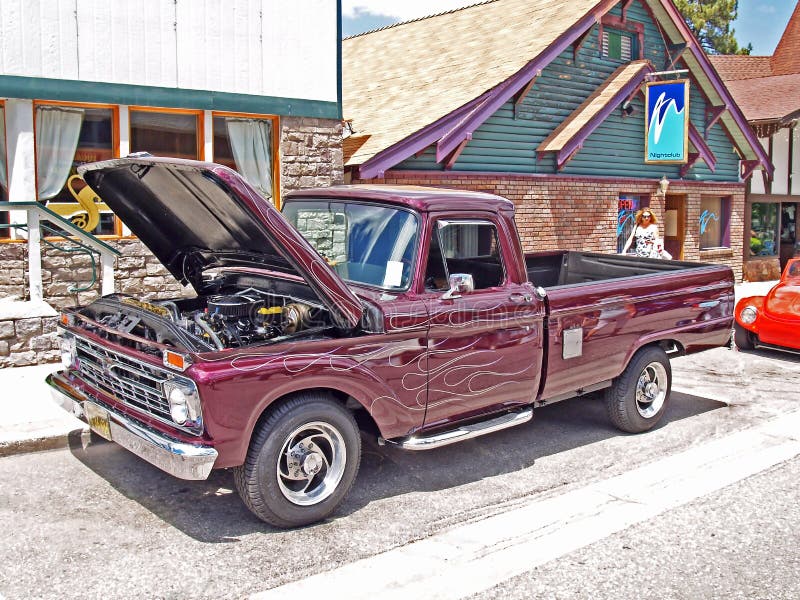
(182, 460)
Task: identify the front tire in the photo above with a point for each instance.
(302, 461)
(637, 399)
(742, 338)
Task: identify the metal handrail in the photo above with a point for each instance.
(85, 243)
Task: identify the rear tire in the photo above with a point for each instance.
(742, 338)
(637, 399)
(302, 461)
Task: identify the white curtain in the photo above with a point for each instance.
(57, 132)
(3, 157)
(251, 142)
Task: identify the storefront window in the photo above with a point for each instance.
(788, 223)
(627, 205)
(66, 137)
(714, 223)
(764, 229)
(173, 134)
(245, 144)
(3, 171)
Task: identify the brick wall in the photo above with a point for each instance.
(577, 213)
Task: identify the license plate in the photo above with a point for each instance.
(98, 419)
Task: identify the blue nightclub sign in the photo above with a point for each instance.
(667, 122)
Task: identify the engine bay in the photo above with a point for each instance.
(228, 317)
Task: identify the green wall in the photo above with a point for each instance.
(504, 143)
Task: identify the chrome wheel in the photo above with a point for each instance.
(311, 463)
(638, 398)
(651, 390)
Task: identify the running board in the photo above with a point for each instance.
(465, 432)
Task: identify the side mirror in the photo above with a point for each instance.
(460, 283)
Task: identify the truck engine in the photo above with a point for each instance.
(216, 322)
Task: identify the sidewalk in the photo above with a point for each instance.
(31, 421)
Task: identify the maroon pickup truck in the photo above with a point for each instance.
(410, 311)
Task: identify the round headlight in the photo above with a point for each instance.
(178, 407)
(748, 315)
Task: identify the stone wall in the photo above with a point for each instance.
(311, 153)
(580, 213)
(27, 333)
(27, 339)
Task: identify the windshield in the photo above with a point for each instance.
(363, 243)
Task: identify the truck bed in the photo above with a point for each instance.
(620, 304)
(557, 268)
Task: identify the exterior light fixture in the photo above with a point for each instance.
(663, 186)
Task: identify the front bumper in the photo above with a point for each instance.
(182, 460)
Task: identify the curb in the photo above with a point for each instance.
(41, 443)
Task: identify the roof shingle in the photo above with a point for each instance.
(733, 67)
(457, 56)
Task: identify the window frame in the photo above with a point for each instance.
(115, 144)
(436, 228)
(199, 125)
(726, 204)
(5, 234)
(276, 154)
(631, 29)
(775, 231)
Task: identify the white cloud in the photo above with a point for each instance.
(403, 10)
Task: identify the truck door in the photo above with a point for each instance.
(484, 346)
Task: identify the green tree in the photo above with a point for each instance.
(710, 21)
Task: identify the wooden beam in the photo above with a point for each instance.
(693, 157)
(675, 51)
(703, 149)
(451, 160)
(562, 160)
(576, 46)
(625, 5)
(712, 116)
(748, 166)
(524, 92)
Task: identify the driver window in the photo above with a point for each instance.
(469, 247)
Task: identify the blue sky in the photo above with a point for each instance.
(760, 22)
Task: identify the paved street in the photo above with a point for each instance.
(97, 522)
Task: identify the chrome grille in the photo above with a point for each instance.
(134, 383)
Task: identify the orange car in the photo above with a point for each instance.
(772, 321)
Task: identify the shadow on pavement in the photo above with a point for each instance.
(778, 355)
(211, 511)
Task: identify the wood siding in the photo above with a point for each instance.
(255, 47)
(507, 142)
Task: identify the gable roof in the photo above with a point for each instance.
(775, 98)
(399, 79)
(767, 88)
(435, 80)
(566, 138)
(786, 58)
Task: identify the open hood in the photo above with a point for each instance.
(195, 215)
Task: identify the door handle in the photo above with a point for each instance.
(520, 298)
